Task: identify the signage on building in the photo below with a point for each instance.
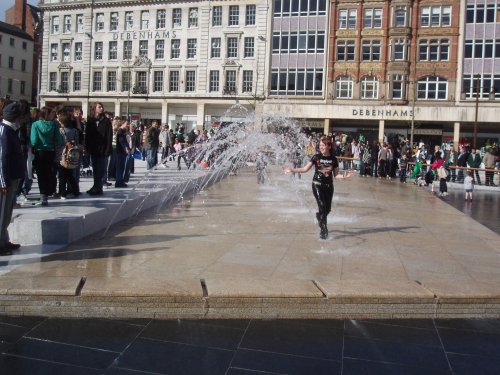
(151, 113)
(314, 124)
(428, 132)
(370, 112)
(132, 35)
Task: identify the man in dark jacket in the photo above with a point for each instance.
(151, 144)
(11, 173)
(98, 138)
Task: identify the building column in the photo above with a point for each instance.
(118, 108)
(200, 116)
(326, 126)
(164, 113)
(381, 130)
(456, 134)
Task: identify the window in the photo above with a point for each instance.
(249, 47)
(23, 87)
(217, 16)
(23, 65)
(113, 50)
(161, 18)
(53, 52)
(52, 81)
(373, 18)
(66, 52)
(297, 81)
(193, 17)
(97, 81)
(98, 51)
(369, 88)
(77, 81)
(306, 8)
(190, 80)
(79, 23)
(64, 86)
(160, 49)
(347, 18)
(230, 86)
(216, 48)
(247, 81)
(177, 17)
(126, 80)
(303, 41)
(432, 88)
(232, 48)
(370, 50)
(398, 83)
(345, 50)
(476, 13)
(127, 50)
(399, 49)
(99, 22)
(25, 45)
(234, 15)
(173, 82)
(12, 42)
(9, 85)
(129, 20)
(400, 16)
(145, 20)
(214, 81)
(141, 80)
(113, 21)
(67, 24)
(191, 48)
(343, 88)
(78, 51)
(435, 16)
(250, 13)
(111, 81)
(158, 81)
(143, 48)
(55, 24)
(433, 50)
(175, 51)
(11, 62)
(481, 86)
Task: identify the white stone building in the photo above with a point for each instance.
(16, 62)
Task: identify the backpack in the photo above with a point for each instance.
(71, 155)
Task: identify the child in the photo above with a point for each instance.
(403, 164)
(442, 173)
(468, 185)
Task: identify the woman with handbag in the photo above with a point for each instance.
(45, 140)
(66, 175)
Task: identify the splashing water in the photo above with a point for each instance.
(253, 139)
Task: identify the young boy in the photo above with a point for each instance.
(442, 173)
(403, 164)
(468, 185)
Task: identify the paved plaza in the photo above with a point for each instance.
(242, 250)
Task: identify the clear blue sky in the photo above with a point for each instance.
(6, 4)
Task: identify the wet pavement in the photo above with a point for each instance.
(32, 345)
(219, 233)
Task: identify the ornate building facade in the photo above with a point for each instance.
(372, 66)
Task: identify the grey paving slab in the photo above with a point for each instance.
(257, 250)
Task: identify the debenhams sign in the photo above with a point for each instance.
(132, 35)
(370, 112)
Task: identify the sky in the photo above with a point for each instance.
(6, 4)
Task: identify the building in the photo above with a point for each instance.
(375, 67)
(27, 18)
(176, 62)
(16, 62)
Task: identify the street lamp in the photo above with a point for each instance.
(478, 92)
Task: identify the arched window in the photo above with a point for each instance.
(343, 88)
(432, 88)
(369, 88)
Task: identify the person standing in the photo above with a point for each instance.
(45, 141)
(474, 161)
(326, 169)
(151, 145)
(66, 175)
(461, 162)
(451, 161)
(122, 150)
(469, 185)
(489, 163)
(11, 172)
(98, 138)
